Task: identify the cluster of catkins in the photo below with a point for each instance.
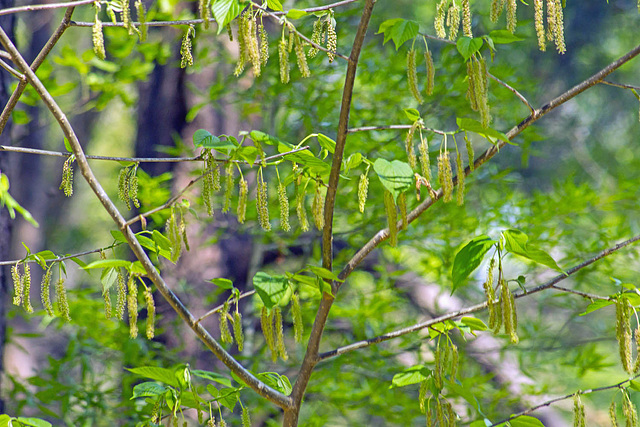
(124, 8)
(22, 290)
(127, 296)
(128, 186)
(446, 361)
(624, 337)
(448, 13)
(502, 311)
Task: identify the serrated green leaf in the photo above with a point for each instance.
(148, 389)
(403, 31)
(212, 376)
(324, 273)
(516, 242)
(597, 305)
(5, 420)
(526, 421)
(326, 143)
(634, 385)
(469, 258)
(468, 46)
(474, 323)
(274, 5)
(33, 422)
(163, 375)
(227, 397)
(409, 376)
(225, 11)
(270, 289)
(276, 381)
(472, 125)
(295, 13)
(106, 263)
(222, 283)
(396, 176)
(504, 37)
(412, 114)
(385, 28)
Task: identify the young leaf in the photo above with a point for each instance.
(326, 143)
(295, 13)
(468, 46)
(225, 11)
(412, 114)
(212, 376)
(516, 243)
(412, 375)
(33, 422)
(399, 30)
(274, 4)
(474, 323)
(396, 176)
(469, 258)
(526, 421)
(163, 375)
(270, 289)
(475, 126)
(504, 37)
(222, 283)
(597, 305)
(148, 389)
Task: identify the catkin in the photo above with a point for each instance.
(317, 206)
(578, 411)
(363, 189)
(402, 206)
(440, 18)
(98, 37)
(151, 313)
(466, 19)
(283, 56)
(225, 332)
(431, 73)
(392, 217)
(67, 177)
(242, 200)
(183, 230)
(132, 305)
(106, 296)
(471, 89)
(296, 313)
(629, 411)
(512, 21)
(301, 57)
(508, 308)
(122, 296)
(133, 187)
(422, 395)
(301, 211)
(185, 48)
(470, 152)
(264, 44)
(253, 49)
(262, 201)
(558, 35)
(539, 24)
(612, 414)
(173, 234)
(45, 291)
(460, 177)
(26, 289)
(412, 76)
(332, 40)
(623, 334)
(211, 174)
(123, 187)
(61, 299)
(142, 17)
(18, 288)
(408, 144)
(445, 177)
(237, 330)
(496, 9)
(279, 332)
(438, 370)
(204, 10)
(246, 419)
(284, 207)
(266, 322)
(425, 162)
(551, 20)
(228, 187)
(319, 27)
(439, 412)
(453, 21)
(242, 45)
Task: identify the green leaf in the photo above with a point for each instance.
(353, 161)
(225, 11)
(227, 397)
(148, 389)
(385, 28)
(34, 422)
(326, 143)
(469, 258)
(276, 381)
(275, 5)
(212, 376)
(516, 243)
(248, 153)
(504, 37)
(204, 138)
(399, 30)
(67, 145)
(634, 385)
(468, 46)
(412, 114)
(597, 305)
(474, 323)
(295, 13)
(106, 263)
(324, 273)
(475, 126)
(409, 376)
(222, 283)
(396, 176)
(526, 421)
(270, 289)
(163, 375)
(4, 420)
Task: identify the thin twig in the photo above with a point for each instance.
(474, 308)
(64, 258)
(515, 91)
(12, 70)
(251, 380)
(321, 8)
(568, 396)
(391, 127)
(620, 85)
(31, 8)
(580, 293)
(218, 308)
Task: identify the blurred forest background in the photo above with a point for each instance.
(570, 183)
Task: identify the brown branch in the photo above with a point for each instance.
(580, 293)
(218, 308)
(392, 127)
(383, 234)
(515, 91)
(12, 70)
(620, 85)
(17, 93)
(478, 307)
(63, 258)
(254, 383)
(31, 8)
(568, 396)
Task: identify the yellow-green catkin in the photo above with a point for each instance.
(18, 289)
(225, 332)
(538, 17)
(478, 90)
(471, 89)
(466, 19)
(578, 411)
(438, 23)
(98, 36)
(455, 358)
(439, 412)
(278, 329)
(228, 187)
(242, 45)
(636, 335)
(422, 395)
(496, 9)
(301, 58)
(45, 291)
(133, 186)
(183, 230)
(151, 313)
(210, 181)
(460, 177)
(551, 20)
(125, 14)
(67, 177)
(283, 201)
(237, 330)
(296, 313)
(392, 217)
(317, 207)
(412, 75)
(558, 35)
(438, 370)
(629, 411)
(283, 56)
(264, 43)
(445, 176)
(431, 73)
(142, 18)
(121, 296)
(425, 162)
(332, 39)
(508, 308)
(408, 144)
(489, 292)
(512, 20)
(185, 48)
(253, 49)
(26, 289)
(246, 419)
(363, 190)
(262, 204)
(123, 187)
(623, 334)
(612, 414)
(319, 28)
(470, 152)
(222, 422)
(402, 206)
(61, 299)
(132, 305)
(106, 297)
(242, 200)
(204, 10)
(301, 211)
(173, 234)
(266, 322)
(453, 21)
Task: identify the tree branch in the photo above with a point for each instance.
(218, 308)
(30, 8)
(478, 307)
(620, 85)
(391, 127)
(582, 294)
(518, 94)
(258, 386)
(66, 257)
